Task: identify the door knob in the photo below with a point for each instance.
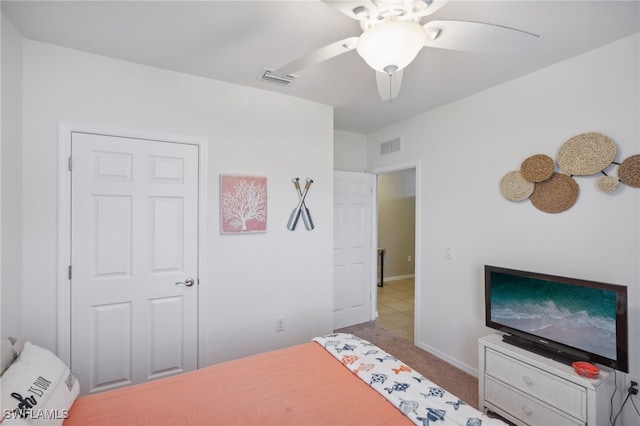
(188, 282)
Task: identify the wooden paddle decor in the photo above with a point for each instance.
(301, 209)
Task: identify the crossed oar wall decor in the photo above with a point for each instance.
(301, 209)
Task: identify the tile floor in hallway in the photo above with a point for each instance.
(396, 306)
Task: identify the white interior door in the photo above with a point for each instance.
(134, 232)
(353, 252)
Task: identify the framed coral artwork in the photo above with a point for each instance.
(243, 204)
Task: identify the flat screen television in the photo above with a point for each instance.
(566, 319)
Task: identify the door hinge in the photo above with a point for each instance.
(69, 163)
(69, 272)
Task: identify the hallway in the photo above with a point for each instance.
(396, 307)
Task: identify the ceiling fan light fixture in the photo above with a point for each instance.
(391, 45)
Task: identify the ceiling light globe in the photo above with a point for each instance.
(391, 44)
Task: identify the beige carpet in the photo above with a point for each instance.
(456, 381)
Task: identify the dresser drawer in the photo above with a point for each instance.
(524, 407)
(553, 390)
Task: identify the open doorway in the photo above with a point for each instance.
(396, 229)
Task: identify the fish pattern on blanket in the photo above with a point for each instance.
(414, 395)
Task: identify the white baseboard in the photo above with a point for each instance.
(456, 363)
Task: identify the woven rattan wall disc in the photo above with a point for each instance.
(555, 194)
(629, 171)
(537, 168)
(607, 183)
(515, 188)
(586, 154)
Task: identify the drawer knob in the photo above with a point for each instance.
(526, 410)
(527, 380)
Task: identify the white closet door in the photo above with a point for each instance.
(352, 250)
(134, 233)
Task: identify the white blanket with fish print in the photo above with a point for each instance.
(417, 397)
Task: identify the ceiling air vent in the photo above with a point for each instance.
(266, 75)
(389, 147)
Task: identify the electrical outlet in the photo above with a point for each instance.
(280, 324)
(409, 259)
(633, 387)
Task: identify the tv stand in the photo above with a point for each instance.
(527, 388)
(543, 350)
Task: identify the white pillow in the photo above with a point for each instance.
(38, 387)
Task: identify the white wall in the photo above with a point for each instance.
(251, 279)
(11, 200)
(466, 147)
(349, 151)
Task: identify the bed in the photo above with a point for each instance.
(338, 379)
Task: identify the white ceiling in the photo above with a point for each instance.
(234, 40)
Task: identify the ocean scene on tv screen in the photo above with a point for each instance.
(581, 317)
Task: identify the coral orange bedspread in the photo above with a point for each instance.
(300, 385)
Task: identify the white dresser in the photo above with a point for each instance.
(529, 389)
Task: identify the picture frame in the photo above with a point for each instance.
(243, 204)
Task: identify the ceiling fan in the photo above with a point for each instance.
(393, 36)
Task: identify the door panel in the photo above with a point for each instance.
(113, 235)
(166, 330)
(353, 253)
(166, 234)
(111, 346)
(134, 236)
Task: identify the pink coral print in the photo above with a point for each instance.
(243, 202)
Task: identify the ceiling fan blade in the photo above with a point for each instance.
(389, 84)
(477, 37)
(317, 56)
